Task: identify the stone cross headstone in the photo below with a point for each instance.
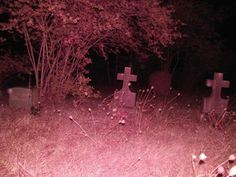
(215, 102)
(20, 97)
(124, 96)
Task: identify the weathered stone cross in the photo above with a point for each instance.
(125, 96)
(215, 102)
(126, 77)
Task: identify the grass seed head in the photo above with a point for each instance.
(194, 157)
(220, 170)
(202, 157)
(70, 117)
(232, 158)
(122, 122)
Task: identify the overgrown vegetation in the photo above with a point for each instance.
(59, 34)
(168, 140)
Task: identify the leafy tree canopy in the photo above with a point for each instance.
(138, 26)
(59, 33)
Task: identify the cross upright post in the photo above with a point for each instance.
(217, 84)
(126, 77)
(215, 102)
(124, 96)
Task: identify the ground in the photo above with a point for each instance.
(99, 140)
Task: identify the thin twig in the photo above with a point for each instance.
(194, 168)
(211, 173)
(25, 169)
(85, 133)
(137, 160)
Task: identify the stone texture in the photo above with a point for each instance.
(22, 97)
(215, 102)
(125, 97)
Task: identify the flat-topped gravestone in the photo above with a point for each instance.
(124, 96)
(20, 97)
(215, 102)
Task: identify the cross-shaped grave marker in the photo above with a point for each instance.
(124, 96)
(215, 102)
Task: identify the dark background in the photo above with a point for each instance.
(103, 72)
(227, 34)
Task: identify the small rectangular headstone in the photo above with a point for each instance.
(124, 96)
(215, 102)
(22, 97)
